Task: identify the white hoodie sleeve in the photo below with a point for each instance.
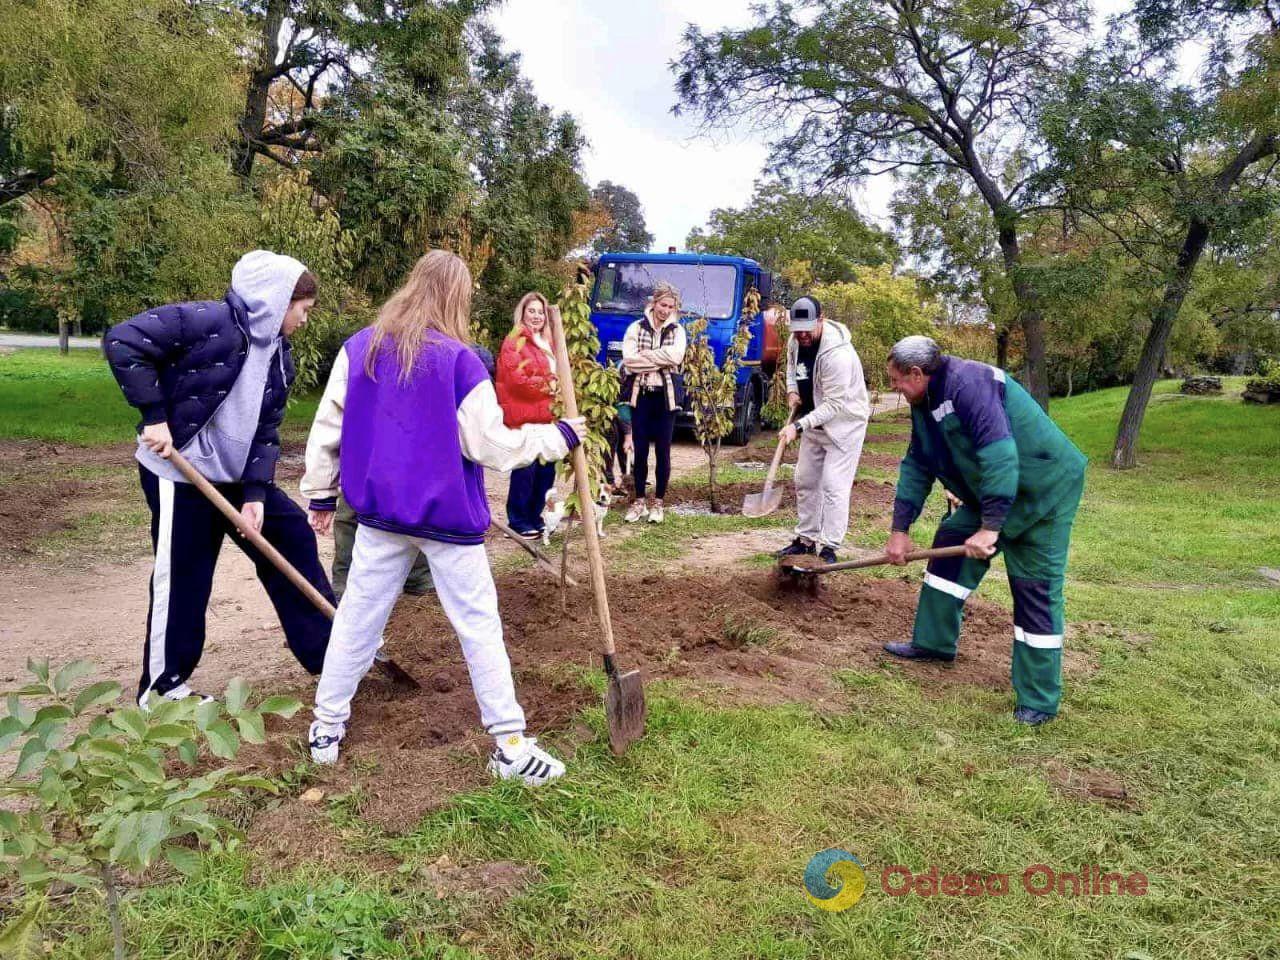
(320, 482)
(486, 440)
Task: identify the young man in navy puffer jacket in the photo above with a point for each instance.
(211, 380)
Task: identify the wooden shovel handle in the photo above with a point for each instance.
(777, 454)
(935, 554)
(253, 536)
(582, 481)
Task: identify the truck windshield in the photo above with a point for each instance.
(706, 289)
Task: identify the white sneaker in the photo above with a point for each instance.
(656, 514)
(324, 742)
(637, 512)
(180, 692)
(529, 762)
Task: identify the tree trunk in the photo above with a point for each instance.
(1002, 349)
(1029, 316)
(711, 477)
(1125, 453)
(258, 89)
(64, 335)
(113, 910)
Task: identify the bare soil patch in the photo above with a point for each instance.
(41, 493)
(741, 641)
(1089, 784)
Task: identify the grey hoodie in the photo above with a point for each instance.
(841, 406)
(265, 282)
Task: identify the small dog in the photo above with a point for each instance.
(553, 513)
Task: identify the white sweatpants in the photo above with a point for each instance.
(380, 561)
(824, 480)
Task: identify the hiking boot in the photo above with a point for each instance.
(527, 761)
(180, 692)
(323, 740)
(799, 547)
(1032, 718)
(827, 554)
(637, 512)
(909, 651)
(656, 514)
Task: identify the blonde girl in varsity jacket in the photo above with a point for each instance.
(652, 352)
(406, 425)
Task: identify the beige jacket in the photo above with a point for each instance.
(841, 407)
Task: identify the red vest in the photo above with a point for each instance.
(524, 381)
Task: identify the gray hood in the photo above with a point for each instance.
(265, 282)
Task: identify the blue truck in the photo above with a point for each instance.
(710, 286)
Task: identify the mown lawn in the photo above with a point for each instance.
(694, 845)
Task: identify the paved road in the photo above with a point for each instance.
(24, 340)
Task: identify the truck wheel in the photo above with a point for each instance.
(744, 424)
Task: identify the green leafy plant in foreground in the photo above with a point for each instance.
(133, 786)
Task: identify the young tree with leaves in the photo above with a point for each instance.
(712, 387)
(862, 87)
(129, 789)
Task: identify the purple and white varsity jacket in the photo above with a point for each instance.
(409, 457)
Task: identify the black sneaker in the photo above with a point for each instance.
(1032, 718)
(799, 547)
(909, 651)
(827, 554)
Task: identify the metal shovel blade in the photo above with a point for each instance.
(625, 710)
(763, 503)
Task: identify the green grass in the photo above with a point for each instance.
(74, 399)
(694, 844)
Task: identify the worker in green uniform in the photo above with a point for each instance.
(1019, 481)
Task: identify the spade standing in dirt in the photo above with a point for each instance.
(830, 410)
(407, 423)
(1019, 480)
(211, 380)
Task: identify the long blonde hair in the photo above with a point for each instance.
(436, 297)
(517, 318)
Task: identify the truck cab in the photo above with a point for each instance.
(710, 286)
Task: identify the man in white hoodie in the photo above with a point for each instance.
(830, 409)
(211, 380)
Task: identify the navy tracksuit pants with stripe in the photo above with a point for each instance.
(186, 534)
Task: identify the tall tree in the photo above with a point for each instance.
(628, 231)
(861, 87)
(1166, 170)
(783, 228)
(302, 49)
(110, 90)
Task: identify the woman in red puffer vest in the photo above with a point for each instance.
(526, 387)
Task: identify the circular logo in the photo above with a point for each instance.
(834, 880)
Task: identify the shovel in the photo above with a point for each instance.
(393, 669)
(624, 706)
(768, 500)
(804, 570)
(530, 549)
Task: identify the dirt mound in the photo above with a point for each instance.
(740, 641)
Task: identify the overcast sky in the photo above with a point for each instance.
(607, 64)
